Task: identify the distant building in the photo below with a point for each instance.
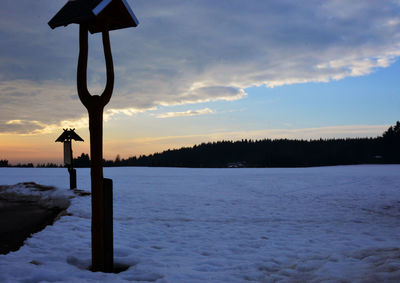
(236, 164)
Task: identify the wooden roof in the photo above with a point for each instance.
(100, 15)
(69, 135)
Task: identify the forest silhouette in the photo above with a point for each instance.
(271, 153)
(384, 149)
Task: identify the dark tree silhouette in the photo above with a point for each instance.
(391, 140)
(3, 163)
(273, 153)
(82, 161)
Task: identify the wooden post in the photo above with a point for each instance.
(108, 223)
(96, 172)
(71, 170)
(95, 105)
(72, 178)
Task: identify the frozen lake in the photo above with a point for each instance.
(331, 224)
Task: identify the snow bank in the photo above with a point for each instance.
(46, 196)
(331, 224)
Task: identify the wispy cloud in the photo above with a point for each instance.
(186, 113)
(109, 113)
(350, 131)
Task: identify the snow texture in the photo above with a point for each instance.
(328, 224)
(45, 196)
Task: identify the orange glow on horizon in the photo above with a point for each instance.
(43, 148)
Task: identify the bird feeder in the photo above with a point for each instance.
(66, 137)
(97, 16)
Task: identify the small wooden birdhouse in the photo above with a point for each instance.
(69, 135)
(66, 137)
(99, 15)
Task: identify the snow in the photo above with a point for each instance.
(330, 224)
(50, 197)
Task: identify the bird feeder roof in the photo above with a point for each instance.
(100, 15)
(68, 135)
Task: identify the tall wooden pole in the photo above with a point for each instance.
(95, 105)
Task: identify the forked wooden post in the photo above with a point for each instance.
(95, 105)
(97, 16)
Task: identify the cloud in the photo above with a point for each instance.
(186, 113)
(124, 111)
(200, 94)
(20, 126)
(36, 104)
(186, 52)
(32, 127)
(28, 128)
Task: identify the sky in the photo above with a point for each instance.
(199, 71)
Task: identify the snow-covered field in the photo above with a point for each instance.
(331, 224)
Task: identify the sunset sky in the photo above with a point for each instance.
(201, 70)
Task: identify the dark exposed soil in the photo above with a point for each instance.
(19, 220)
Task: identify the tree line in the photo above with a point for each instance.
(271, 153)
(265, 153)
(5, 163)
